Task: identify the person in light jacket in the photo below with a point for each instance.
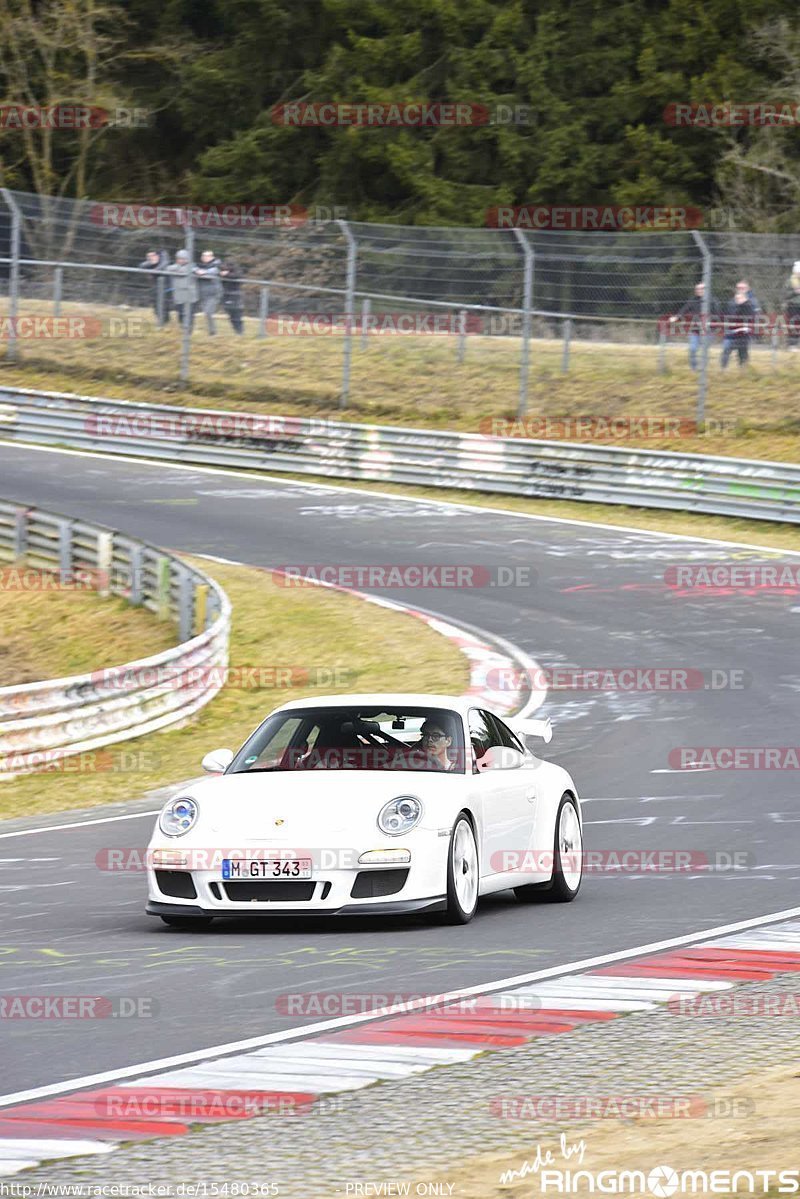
(184, 287)
(210, 284)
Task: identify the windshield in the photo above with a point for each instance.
(348, 738)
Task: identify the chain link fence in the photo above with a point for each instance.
(483, 298)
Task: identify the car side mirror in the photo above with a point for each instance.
(500, 757)
(217, 761)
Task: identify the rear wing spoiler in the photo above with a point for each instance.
(528, 727)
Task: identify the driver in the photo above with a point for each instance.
(435, 741)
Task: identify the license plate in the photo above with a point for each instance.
(277, 868)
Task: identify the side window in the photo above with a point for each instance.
(504, 734)
(480, 735)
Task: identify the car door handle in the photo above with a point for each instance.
(531, 795)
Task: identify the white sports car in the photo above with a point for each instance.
(368, 804)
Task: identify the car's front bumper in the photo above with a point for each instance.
(387, 907)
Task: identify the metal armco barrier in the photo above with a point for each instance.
(45, 722)
(509, 466)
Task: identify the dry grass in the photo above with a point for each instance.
(416, 380)
(46, 634)
(764, 1140)
(329, 642)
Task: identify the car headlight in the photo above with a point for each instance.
(178, 817)
(400, 815)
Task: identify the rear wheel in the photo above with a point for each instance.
(462, 873)
(188, 923)
(567, 860)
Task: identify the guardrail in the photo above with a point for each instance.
(509, 466)
(44, 722)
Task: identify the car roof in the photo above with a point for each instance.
(457, 703)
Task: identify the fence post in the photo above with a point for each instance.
(13, 274)
(105, 561)
(163, 582)
(567, 338)
(702, 381)
(263, 311)
(366, 309)
(21, 533)
(64, 549)
(161, 288)
(137, 570)
(185, 605)
(349, 303)
(662, 351)
(187, 308)
(774, 348)
(58, 286)
(462, 335)
(527, 304)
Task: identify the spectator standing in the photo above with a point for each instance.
(210, 287)
(184, 288)
(232, 299)
(693, 310)
(158, 261)
(791, 309)
(739, 321)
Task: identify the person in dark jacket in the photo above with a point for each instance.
(691, 315)
(232, 299)
(158, 261)
(738, 324)
(791, 309)
(210, 285)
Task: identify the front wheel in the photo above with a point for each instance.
(189, 924)
(462, 873)
(567, 860)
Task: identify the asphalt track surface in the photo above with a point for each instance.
(598, 598)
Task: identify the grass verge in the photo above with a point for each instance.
(50, 634)
(418, 381)
(321, 641)
(763, 1142)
